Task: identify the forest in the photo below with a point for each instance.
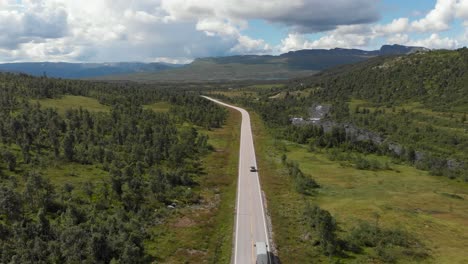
(149, 160)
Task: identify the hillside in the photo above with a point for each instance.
(265, 67)
(437, 79)
(82, 70)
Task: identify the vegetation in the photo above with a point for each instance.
(390, 118)
(135, 163)
(304, 184)
(416, 111)
(427, 213)
(203, 232)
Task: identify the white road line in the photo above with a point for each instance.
(238, 194)
(246, 117)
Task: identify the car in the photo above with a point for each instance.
(253, 169)
(262, 253)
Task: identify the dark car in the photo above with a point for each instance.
(253, 169)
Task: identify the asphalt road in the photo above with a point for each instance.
(250, 214)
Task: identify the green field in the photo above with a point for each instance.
(158, 107)
(73, 102)
(203, 233)
(212, 71)
(433, 209)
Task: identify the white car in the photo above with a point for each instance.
(262, 253)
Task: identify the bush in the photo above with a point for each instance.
(303, 183)
(388, 243)
(325, 226)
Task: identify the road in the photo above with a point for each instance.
(250, 214)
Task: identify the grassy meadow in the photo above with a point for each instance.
(430, 208)
(73, 102)
(160, 107)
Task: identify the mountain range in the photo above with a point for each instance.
(83, 70)
(241, 67)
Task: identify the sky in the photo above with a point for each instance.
(178, 31)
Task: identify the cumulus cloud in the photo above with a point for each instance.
(461, 8)
(398, 39)
(302, 16)
(294, 42)
(248, 45)
(438, 19)
(352, 36)
(38, 21)
(436, 42)
(397, 26)
(180, 30)
(229, 17)
(106, 30)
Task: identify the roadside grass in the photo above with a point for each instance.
(160, 107)
(73, 102)
(284, 205)
(203, 233)
(433, 209)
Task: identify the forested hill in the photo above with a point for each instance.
(438, 79)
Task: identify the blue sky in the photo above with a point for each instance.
(180, 30)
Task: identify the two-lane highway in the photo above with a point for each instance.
(250, 214)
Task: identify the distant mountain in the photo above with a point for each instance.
(83, 70)
(399, 49)
(247, 67)
(266, 67)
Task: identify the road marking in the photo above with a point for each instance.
(246, 121)
(251, 227)
(238, 197)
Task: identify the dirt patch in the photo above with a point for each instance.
(184, 222)
(195, 252)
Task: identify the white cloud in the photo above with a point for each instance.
(248, 45)
(397, 26)
(335, 40)
(438, 19)
(172, 60)
(294, 42)
(39, 21)
(435, 42)
(462, 11)
(213, 26)
(351, 36)
(149, 30)
(398, 39)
